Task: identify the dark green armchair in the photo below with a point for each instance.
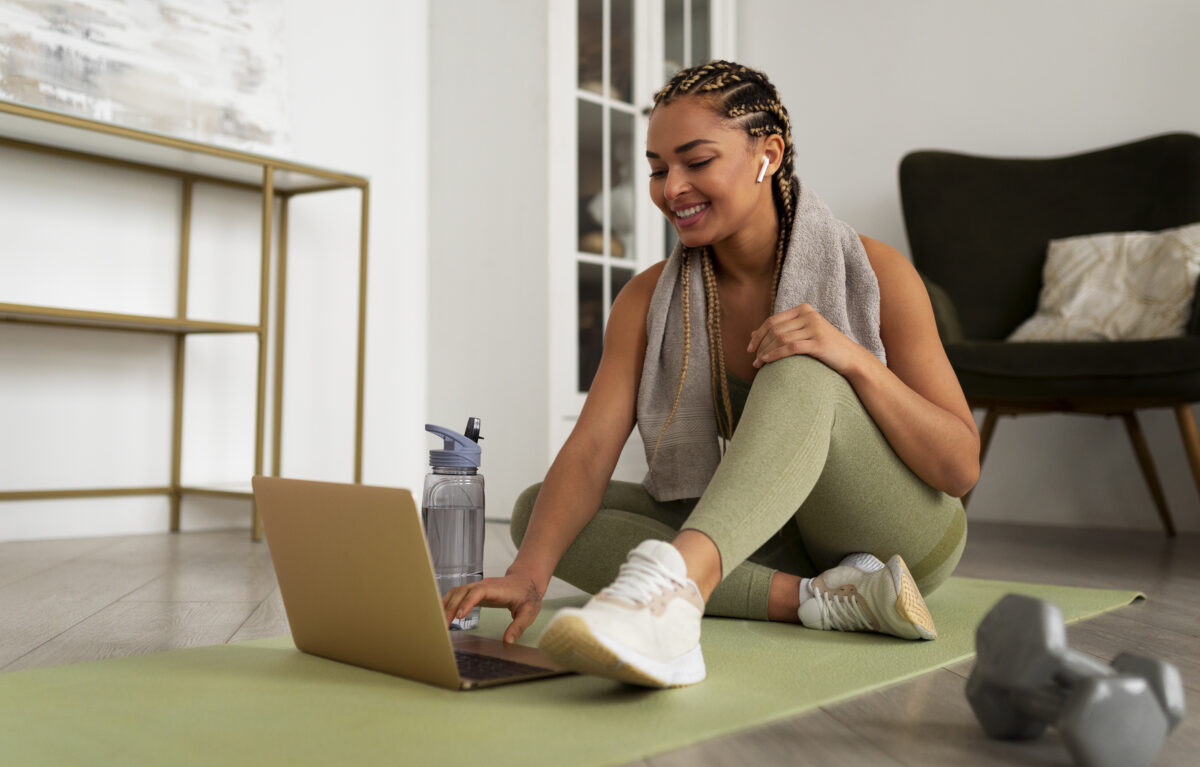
(978, 228)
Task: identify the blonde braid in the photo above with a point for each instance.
(747, 97)
(685, 300)
(716, 351)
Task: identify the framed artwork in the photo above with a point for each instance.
(206, 70)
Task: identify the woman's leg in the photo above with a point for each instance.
(629, 515)
(805, 440)
(819, 451)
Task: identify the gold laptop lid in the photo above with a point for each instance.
(356, 578)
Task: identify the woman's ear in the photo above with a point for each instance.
(773, 151)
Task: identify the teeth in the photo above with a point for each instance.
(689, 212)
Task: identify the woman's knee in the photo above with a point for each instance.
(521, 512)
(928, 582)
(797, 386)
(801, 369)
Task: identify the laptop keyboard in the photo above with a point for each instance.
(484, 667)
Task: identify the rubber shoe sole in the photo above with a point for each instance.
(910, 605)
(569, 642)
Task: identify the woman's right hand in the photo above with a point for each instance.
(519, 593)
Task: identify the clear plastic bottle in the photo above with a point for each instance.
(452, 510)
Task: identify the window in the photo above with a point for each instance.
(604, 228)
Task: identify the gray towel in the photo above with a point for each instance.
(825, 265)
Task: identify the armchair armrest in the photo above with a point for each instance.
(949, 327)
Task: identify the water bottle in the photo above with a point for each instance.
(452, 511)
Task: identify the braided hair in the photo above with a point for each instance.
(746, 98)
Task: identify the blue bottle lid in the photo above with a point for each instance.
(458, 450)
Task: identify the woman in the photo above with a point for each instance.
(853, 440)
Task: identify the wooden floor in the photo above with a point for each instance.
(76, 600)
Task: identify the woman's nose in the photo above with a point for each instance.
(675, 185)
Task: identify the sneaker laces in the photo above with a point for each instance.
(842, 612)
(640, 579)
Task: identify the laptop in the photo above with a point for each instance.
(358, 587)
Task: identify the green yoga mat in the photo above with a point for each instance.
(263, 702)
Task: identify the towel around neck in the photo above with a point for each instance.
(825, 265)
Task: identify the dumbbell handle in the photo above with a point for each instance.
(1075, 666)
(1047, 702)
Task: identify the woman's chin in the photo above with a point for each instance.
(692, 239)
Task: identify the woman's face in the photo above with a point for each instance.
(703, 171)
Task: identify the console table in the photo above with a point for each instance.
(277, 181)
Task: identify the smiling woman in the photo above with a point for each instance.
(812, 476)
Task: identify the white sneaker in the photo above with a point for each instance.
(644, 628)
(863, 561)
(886, 600)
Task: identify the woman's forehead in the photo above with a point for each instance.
(684, 121)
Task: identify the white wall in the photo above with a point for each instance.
(87, 409)
(866, 82)
(360, 100)
(488, 235)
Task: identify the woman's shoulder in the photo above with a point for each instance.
(905, 313)
(893, 271)
(632, 305)
(880, 254)
(636, 294)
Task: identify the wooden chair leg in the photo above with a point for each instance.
(1191, 440)
(985, 439)
(1147, 462)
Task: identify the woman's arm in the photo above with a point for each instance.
(576, 481)
(573, 487)
(915, 399)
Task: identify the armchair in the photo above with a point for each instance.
(978, 228)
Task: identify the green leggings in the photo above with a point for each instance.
(807, 479)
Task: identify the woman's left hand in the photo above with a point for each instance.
(804, 331)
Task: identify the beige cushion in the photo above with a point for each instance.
(1121, 286)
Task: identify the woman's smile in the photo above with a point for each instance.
(692, 214)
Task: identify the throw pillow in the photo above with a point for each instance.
(1117, 287)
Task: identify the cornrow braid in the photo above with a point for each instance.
(746, 97)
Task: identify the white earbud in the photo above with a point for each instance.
(763, 172)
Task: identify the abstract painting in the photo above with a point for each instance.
(206, 70)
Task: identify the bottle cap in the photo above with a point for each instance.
(458, 450)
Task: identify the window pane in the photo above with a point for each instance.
(621, 41)
(591, 322)
(672, 38)
(623, 224)
(591, 45)
(619, 278)
(591, 178)
(701, 26)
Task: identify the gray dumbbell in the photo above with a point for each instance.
(1026, 678)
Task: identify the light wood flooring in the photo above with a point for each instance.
(68, 601)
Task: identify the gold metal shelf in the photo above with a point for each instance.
(78, 318)
(80, 138)
(276, 181)
(233, 490)
(238, 490)
(97, 492)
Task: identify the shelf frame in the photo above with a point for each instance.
(27, 128)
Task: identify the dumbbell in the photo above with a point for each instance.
(1026, 678)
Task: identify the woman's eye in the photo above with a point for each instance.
(692, 165)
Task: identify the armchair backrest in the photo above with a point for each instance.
(978, 226)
